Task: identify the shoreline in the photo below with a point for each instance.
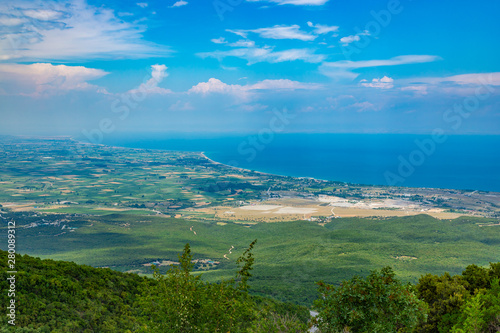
(202, 154)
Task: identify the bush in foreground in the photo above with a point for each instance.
(377, 303)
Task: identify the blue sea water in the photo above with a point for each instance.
(455, 162)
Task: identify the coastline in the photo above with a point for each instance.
(203, 155)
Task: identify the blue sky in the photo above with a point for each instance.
(75, 66)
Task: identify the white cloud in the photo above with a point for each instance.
(462, 84)
(349, 39)
(243, 43)
(282, 84)
(399, 60)
(216, 86)
(364, 106)
(244, 92)
(295, 2)
(255, 55)
(179, 4)
(343, 69)
(418, 89)
(142, 4)
(158, 73)
(383, 83)
(11, 21)
(71, 30)
(47, 79)
(492, 79)
(320, 29)
(43, 14)
(241, 33)
(353, 38)
(220, 40)
(124, 14)
(278, 32)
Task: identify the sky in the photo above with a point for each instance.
(83, 67)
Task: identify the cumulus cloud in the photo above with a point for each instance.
(278, 32)
(214, 85)
(142, 4)
(70, 29)
(158, 73)
(383, 83)
(244, 92)
(46, 79)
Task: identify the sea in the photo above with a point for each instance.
(466, 162)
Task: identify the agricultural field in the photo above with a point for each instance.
(129, 208)
(61, 175)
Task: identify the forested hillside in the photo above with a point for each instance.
(58, 296)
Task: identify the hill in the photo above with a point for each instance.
(59, 296)
(290, 256)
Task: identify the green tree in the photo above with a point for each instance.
(377, 303)
(477, 277)
(449, 296)
(271, 322)
(481, 313)
(445, 295)
(182, 302)
(472, 321)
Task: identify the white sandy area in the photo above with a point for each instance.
(330, 198)
(366, 204)
(260, 207)
(295, 210)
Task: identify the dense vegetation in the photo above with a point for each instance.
(466, 303)
(469, 302)
(182, 302)
(377, 303)
(57, 296)
(291, 256)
